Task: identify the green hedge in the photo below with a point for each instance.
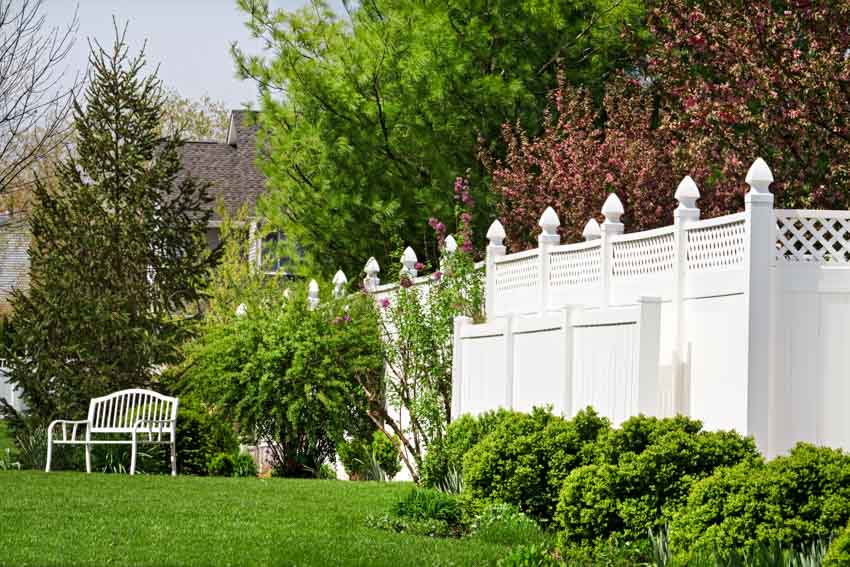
(642, 476)
(525, 460)
(445, 456)
(792, 500)
(838, 554)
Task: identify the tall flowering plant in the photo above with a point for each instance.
(418, 327)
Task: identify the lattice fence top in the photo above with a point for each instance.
(813, 236)
(649, 252)
(717, 244)
(575, 265)
(517, 271)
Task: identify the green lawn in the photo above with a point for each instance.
(99, 519)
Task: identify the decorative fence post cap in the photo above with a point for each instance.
(409, 260)
(339, 278)
(612, 208)
(372, 266)
(241, 310)
(496, 233)
(450, 244)
(549, 221)
(313, 287)
(687, 192)
(339, 282)
(591, 230)
(759, 177)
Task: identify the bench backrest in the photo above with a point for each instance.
(119, 411)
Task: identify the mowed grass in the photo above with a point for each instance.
(100, 519)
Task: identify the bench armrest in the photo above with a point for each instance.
(64, 423)
(151, 428)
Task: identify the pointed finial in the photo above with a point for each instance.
(371, 281)
(241, 310)
(687, 193)
(496, 233)
(591, 230)
(313, 294)
(450, 245)
(612, 209)
(759, 177)
(339, 282)
(549, 222)
(409, 260)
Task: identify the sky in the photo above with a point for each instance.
(188, 39)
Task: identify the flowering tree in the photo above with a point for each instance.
(721, 84)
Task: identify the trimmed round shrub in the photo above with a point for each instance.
(526, 458)
(838, 554)
(792, 501)
(642, 477)
(386, 453)
(445, 456)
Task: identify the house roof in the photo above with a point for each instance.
(229, 166)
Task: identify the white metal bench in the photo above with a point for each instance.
(147, 416)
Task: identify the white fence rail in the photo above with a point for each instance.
(741, 321)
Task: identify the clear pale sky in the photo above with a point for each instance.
(188, 39)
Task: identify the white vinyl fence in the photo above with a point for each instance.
(742, 321)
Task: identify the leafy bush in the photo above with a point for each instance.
(505, 524)
(232, 464)
(361, 457)
(535, 555)
(642, 477)
(444, 460)
(426, 503)
(525, 459)
(290, 374)
(838, 554)
(201, 435)
(793, 501)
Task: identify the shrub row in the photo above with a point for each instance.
(600, 486)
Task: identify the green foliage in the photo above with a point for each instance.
(533, 555)
(417, 329)
(445, 456)
(368, 116)
(429, 504)
(838, 554)
(357, 456)
(792, 501)
(201, 435)
(525, 459)
(642, 477)
(118, 251)
(232, 464)
(292, 376)
(505, 524)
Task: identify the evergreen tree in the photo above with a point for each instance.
(118, 249)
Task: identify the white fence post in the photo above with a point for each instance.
(371, 281)
(495, 234)
(649, 325)
(567, 384)
(687, 212)
(760, 257)
(510, 386)
(339, 282)
(549, 222)
(408, 261)
(457, 365)
(313, 294)
(591, 230)
(613, 210)
(449, 247)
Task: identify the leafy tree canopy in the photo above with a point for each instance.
(368, 117)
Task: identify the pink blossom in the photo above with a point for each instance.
(419, 266)
(437, 276)
(385, 302)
